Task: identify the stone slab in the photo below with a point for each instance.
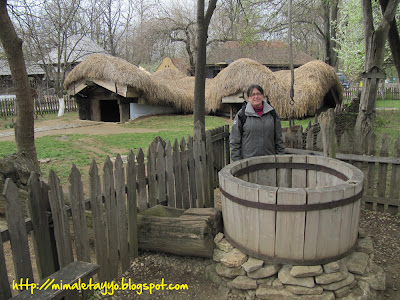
(306, 271)
(243, 283)
(301, 290)
(356, 262)
(285, 277)
(338, 285)
(234, 258)
(228, 272)
(264, 272)
(252, 264)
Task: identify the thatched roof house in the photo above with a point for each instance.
(316, 84)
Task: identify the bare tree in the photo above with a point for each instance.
(24, 123)
(375, 40)
(203, 21)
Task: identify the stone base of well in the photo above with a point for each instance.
(355, 277)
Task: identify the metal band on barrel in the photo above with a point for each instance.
(290, 207)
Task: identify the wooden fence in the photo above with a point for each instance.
(42, 105)
(382, 173)
(391, 93)
(178, 175)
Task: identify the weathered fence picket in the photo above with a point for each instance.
(121, 214)
(132, 205)
(99, 230)
(17, 232)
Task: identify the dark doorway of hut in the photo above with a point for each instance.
(109, 110)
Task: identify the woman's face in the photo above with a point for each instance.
(256, 98)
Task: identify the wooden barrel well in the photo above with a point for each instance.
(292, 209)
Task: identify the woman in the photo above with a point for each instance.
(258, 131)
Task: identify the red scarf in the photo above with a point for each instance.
(259, 110)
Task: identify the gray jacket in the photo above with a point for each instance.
(260, 135)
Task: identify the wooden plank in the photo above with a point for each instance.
(310, 138)
(99, 230)
(382, 168)
(252, 228)
(5, 290)
(329, 224)
(311, 232)
(311, 174)
(210, 169)
(284, 176)
(192, 172)
(121, 213)
(79, 215)
(299, 177)
(370, 176)
(203, 161)
(71, 274)
(111, 217)
(178, 175)
(267, 219)
(395, 178)
(132, 206)
(289, 240)
(41, 239)
(346, 231)
(60, 221)
(151, 174)
(185, 174)
(170, 179)
(345, 146)
(161, 182)
(18, 235)
(227, 147)
(141, 178)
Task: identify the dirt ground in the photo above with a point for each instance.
(153, 267)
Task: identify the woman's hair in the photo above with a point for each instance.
(254, 86)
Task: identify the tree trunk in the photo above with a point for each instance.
(200, 73)
(374, 55)
(24, 122)
(394, 38)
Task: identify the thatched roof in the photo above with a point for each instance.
(171, 87)
(268, 53)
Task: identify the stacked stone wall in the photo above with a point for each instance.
(242, 277)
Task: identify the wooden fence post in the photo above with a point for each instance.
(17, 230)
(210, 170)
(395, 178)
(192, 174)
(132, 205)
(178, 175)
(96, 204)
(185, 174)
(161, 183)
(327, 123)
(122, 229)
(169, 166)
(79, 215)
(371, 166)
(111, 217)
(42, 241)
(60, 221)
(382, 168)
(141, 177)
(151, 174)
(5, 291)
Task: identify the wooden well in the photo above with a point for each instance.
(291, 209)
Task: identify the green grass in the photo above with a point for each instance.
(388, 103)
(65, 150)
